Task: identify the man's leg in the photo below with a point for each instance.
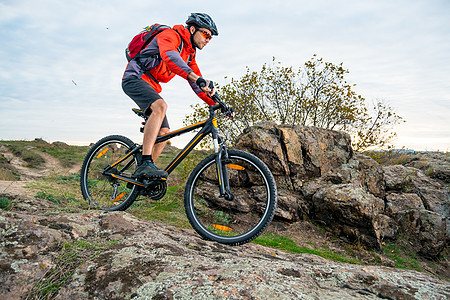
(159, 147)
(151, 130)
(153, 126)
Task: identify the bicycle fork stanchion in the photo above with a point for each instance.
(221, 157)
(223, 161)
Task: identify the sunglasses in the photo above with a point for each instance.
(205, 34)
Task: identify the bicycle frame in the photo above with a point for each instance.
(208, 126)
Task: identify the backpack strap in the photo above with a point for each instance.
(157, 56)
(147, 72)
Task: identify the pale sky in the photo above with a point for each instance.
(397, 50)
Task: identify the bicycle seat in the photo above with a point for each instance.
(139, 113)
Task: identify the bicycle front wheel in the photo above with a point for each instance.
(100, 188)
(250, 208)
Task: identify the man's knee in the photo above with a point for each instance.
(164, 131)
(159, 106)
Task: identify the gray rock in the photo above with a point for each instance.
(319, 177)
(349, 210)
(100, 255)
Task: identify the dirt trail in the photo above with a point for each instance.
(16, 187)
(27, 175)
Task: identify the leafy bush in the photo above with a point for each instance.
(5, 204)
(316, 94)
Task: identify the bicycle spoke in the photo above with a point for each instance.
(98, 186)
(239, 219)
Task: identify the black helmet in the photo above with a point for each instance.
(202, 21)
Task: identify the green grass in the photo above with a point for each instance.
(48, 196)
(33, 160)
(169, 209)
(63, 190)
(402, 256)
(5, 204)
(287, 244)
(68, 156)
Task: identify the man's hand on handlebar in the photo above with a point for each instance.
(206, 85)
(229, 113)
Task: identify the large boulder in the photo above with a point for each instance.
(349, 211)
(363, 170)
(297, 150)
(424, 229)
(319, 177)
(411, 180)
(418, 190)
(263, 140)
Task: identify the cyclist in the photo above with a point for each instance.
(141, 80)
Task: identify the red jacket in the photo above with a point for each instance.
(167, 61)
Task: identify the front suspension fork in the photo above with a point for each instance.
(222, 160)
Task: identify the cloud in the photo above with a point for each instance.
(396, 50)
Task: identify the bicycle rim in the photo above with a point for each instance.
(105, 191)
(241, 219)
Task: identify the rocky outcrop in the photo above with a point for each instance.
(320, 178)
(434, 164)
(113, 255)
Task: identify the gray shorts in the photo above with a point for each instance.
(143, 94)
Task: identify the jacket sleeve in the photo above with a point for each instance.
(201, 94)
(168, 42)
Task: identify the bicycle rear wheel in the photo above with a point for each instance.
(105, 191)
(235, 221)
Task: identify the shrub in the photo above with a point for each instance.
(5, 204)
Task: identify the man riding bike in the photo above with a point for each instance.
(160, 62)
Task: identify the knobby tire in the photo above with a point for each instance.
(106, 192)
(236, 221)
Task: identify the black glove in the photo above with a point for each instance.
(201, 82)
(228, 112)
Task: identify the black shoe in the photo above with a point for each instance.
(149, 170)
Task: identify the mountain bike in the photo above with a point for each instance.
(230, 196)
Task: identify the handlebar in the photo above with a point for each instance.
(222, 106)
(220, 103)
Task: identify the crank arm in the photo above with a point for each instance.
(127, 179)
(146, 184)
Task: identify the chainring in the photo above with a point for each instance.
(156, 192)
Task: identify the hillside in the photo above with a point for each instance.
(150, 250)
